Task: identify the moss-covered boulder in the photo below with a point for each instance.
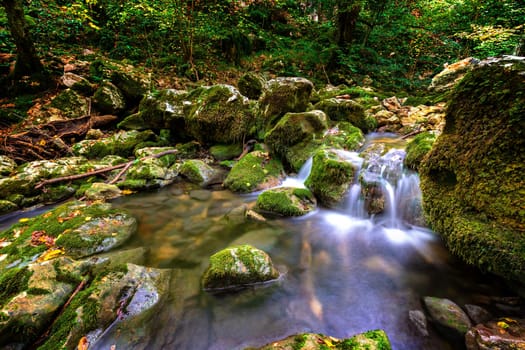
(339, 109)
(159, 110)
(371, 340)
(251, 85)
(330, 177)
(343, 135)
(283, 95)
(132, 81)
(286, 201)
(198, 172)
(76, 229)
(122, 143)
(149, 173)
(472, 179)
(109, 99)
(102, 191)
(238, 267)
(225, 152)
(77, 83)
(448, 317)
(502, 334)
(296, 137)
(125, 297)
(417, 148)
(218, 114)
(71, 104)
(253, 172)
(7, 206)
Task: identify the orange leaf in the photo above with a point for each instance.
(83, 344)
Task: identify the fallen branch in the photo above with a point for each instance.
(415, 132)
(126, 166)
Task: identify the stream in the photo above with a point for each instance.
(343, 271)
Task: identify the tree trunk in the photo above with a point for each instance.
(27, 61)
(347, 15)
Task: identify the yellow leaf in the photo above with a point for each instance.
(51, 254)
(126, 192)
(503, 325)
(42, 142)
(23, 220)
(88, 218)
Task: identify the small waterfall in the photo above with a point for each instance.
(300, 178)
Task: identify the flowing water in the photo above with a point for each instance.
(343, 271)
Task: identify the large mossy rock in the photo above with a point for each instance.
(237, 267)
(452, 74)
(126, 297)
(417, 148)
(283, 95)
(218, 114)
(109, 99)
(286, 201)
(253, 172)
(163, 109)
(251, 85)
(347, 110)
(330, 177)
(472, 179)
(297, 136)
(198, 172)
(371, 340)
(71, 104)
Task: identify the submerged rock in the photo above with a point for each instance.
(472, 179)
(286, 201)
(448, 317)
(371, 340)
(238, 267)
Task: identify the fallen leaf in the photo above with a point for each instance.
(51, 254)
(23, 220)
(83, 344)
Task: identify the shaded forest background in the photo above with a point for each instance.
(394, 45)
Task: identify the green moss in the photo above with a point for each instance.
(286, 201)
(238, 266)
(370, 340)
(344, 135)
(472, 178)
(13, 281)
(300, 341)
(417, 148)
(225, 152)
(330, 177)
(254, 171)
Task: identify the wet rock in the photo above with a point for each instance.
(109, 99)
(478, 314)
(198, 172)
(102, 191)
(452, 74)
(149, 173)
(283, 95)
(238, 267)
(166, 160)
(297, 136)
(286, 201)
(7, 206)
(330, 177)
(448, 317)
(255, 171)
(122, 299)
(371, 340)
(225, 152)
(472, 176)
(419, 320)
(502, 334)
(251, 85)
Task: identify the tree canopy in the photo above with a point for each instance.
(396, 43)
